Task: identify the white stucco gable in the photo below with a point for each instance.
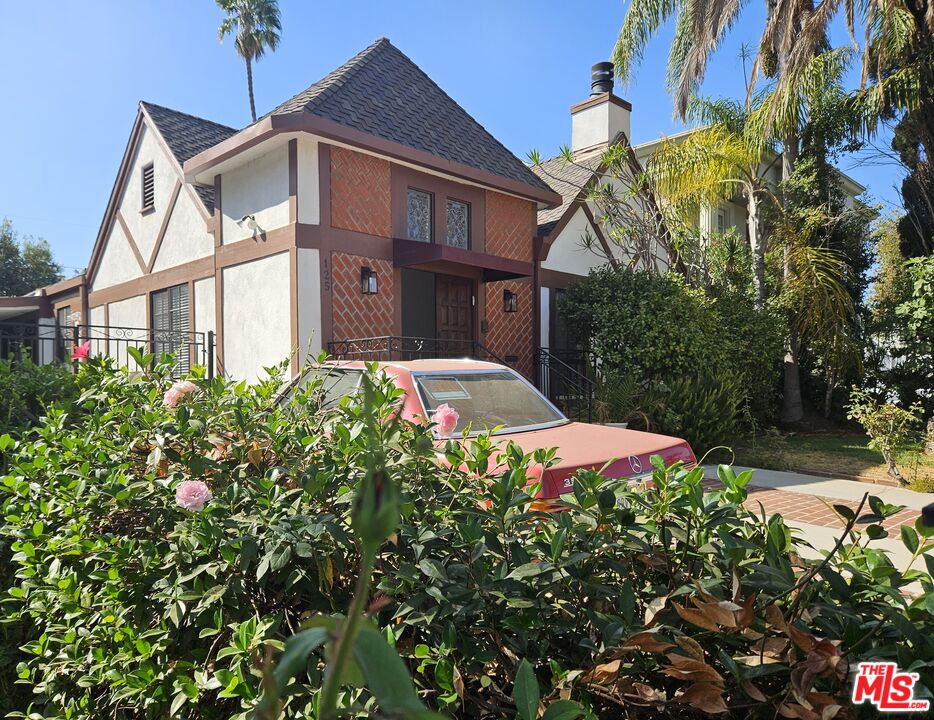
(186, 238)
(118, 262)
(171, 230)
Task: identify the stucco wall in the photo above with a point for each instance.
(118, 263)
(98, 347)
(145, 227)
(309, 302)
(257, 316)
(260, 188)
(309, 196)
(205, 306)
(186, 236)
(129, 313)
(567, 253)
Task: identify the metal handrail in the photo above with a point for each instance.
(19, 338)
(555, 375)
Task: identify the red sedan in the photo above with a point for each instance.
(486, 395)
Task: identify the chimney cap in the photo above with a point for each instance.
(601, 78)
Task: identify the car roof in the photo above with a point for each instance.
(433, 365)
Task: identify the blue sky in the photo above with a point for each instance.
(73, 75)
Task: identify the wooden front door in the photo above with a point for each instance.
(454, 308)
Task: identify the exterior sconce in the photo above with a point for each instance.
(510, 301)
(368, 281)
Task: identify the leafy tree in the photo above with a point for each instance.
(256, 27)
(25, 264)
(916, 226)
(891, 283)
(714, 164)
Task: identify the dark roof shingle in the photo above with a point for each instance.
(380, 91)
(567, 179)
(186, 136)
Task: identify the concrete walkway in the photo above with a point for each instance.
(805, 501)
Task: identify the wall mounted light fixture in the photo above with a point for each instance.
(369, 284)
(510, 301)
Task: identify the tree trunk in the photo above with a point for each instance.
(757, 245)
(792, 407)
(249, 83)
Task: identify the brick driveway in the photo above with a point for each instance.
(814, 510)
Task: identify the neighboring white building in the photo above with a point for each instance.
(597, 123)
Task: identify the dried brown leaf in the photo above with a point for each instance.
(705, 697)
(695, 617)
(604, 674)
(690, 646)
(752, 691)
(647, 642)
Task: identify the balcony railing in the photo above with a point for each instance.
(389, 348)
(45, 343)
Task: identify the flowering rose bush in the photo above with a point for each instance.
(177, 392)
(227, 600)
(192, 495)
(446, 418)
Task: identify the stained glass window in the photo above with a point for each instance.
(458, 224)
(419, 216)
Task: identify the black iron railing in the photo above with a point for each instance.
(45, 343)
(566, 381)
(389, 348)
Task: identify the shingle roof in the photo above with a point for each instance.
(567, 179)
(380, 91)
(186, 136)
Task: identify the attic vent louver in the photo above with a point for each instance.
(149, 188)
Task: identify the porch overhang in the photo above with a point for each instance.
(12, 307)
(454, 261)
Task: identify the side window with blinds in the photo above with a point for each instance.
(170, 330)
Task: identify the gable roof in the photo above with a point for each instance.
(381, 92)
(568, 179)
(186, 136)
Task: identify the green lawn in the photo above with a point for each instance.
(846, 454)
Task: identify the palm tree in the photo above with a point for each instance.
(713, 165)
(256, 26)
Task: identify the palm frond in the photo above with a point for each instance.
(643, 19)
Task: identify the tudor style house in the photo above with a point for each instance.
(369, 205)
(369, 215)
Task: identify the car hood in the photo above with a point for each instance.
(591, 447)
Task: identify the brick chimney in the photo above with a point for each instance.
(598, 121)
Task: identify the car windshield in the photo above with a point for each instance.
(486, 399)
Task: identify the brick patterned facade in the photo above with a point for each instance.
(356, 315)
(510, 226)
(360, 192)
(510, 333)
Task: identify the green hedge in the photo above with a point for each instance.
(689, 353)
(631, 603)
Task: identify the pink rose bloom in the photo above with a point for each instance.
(177, 392)
(445, 417)
(81, 352)
(192, 495)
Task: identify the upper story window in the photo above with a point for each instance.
(149, 188)
(419, 215)
(458, 224)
